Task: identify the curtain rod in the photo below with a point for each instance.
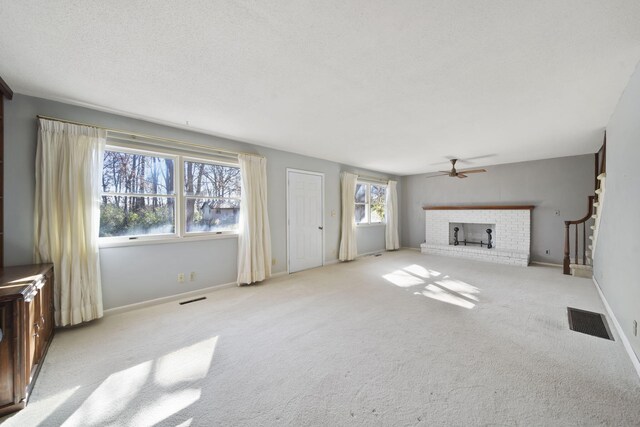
(141, 135)
(148, 142)
(372, 178)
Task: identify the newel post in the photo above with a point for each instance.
(566, 261)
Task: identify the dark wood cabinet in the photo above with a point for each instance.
(27, 325)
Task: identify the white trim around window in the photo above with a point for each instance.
(365, 188)
(177, 194)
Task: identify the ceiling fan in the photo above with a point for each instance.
(453, 173)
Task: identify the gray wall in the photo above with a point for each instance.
(616, 263)
(138, 273)
(560, 184)
(370, 238)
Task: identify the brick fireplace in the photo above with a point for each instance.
(510, 230)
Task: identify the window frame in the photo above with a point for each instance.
(180, 234)
(367, 203)
(183, 225)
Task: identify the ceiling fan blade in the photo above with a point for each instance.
(445, 172)
(434, 176)
(461, 175)
(473, 171)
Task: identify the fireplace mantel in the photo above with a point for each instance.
(483, 207)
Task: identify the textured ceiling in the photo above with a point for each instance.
(394, 86)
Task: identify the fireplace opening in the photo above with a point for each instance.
(467, 233)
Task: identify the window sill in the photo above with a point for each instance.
(164, 240)
(375, 224)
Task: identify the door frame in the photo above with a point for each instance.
(288, 227)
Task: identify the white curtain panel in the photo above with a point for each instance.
(254, 239)
(348, 243)
(391, 230)
(67, 216)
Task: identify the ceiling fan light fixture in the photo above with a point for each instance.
(453, 173)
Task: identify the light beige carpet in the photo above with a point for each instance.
(402, 339)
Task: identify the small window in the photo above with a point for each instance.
(212, 197)
(138, 196)
(370, 201)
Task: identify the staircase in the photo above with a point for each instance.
(581, 265)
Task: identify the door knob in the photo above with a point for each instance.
(320, 228)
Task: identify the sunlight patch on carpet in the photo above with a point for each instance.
(420, 271)
(186, 364)
(47, 406)
(439, 294)
(162, 407)
(460, 287)
(150, 385)
(403, 279)
(451, 291)
(112, 396)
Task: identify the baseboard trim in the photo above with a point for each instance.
(616, 324)
(380, 251)
(170, 298)
(331, 262)
(280, 274)
(547, 264)
(410, 248)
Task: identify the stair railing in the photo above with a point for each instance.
(566, 269)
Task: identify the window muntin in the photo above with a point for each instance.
(370, 203)
(212, 196)
(138, 197)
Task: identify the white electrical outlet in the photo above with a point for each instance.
(192, 276)
(180, 277)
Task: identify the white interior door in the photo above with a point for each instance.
(305, 219)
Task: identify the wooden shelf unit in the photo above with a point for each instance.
(5, 92)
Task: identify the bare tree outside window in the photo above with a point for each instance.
(138, 195)
(370, 201)
(378, 202)
(142, 192)
(212, 193)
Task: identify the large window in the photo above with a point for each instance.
(140, 198)
(370, 203)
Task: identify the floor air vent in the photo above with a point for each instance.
(192, 300)
(589, 323)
